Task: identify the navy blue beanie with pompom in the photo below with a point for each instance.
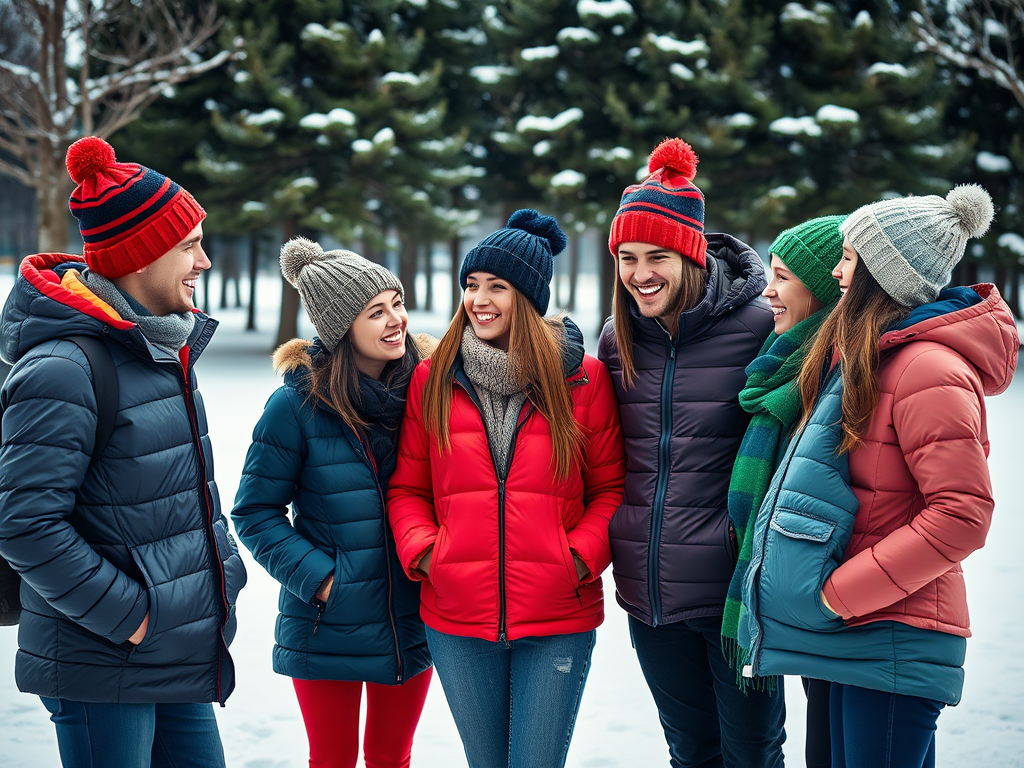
(523, 252)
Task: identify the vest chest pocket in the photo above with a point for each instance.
(800, 554)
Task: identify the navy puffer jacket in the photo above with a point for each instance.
(309, 458)
(673, 549)
(140, 531)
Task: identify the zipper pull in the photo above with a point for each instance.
(320, 606)
(399, 678)
(503, 638)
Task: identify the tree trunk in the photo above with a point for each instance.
(1001, 276)
(607, 278)
(453, 247)
(1013, 293)
(428, 270)
(574, 270)
(970, 273)
(288, 326)
(369, 251)
(254, 265)
(407, 263)
(52, 204)
(206, 292)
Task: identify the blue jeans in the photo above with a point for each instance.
(708, 721)
(515, 705)
(91, 735)
(873, 729)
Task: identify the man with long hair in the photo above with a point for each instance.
(687, 321)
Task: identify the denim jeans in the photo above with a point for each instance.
(873, 729)
(708, 721)
(91, 735)
(514, 704)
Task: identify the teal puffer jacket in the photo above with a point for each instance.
(307, 457)
(802, 530)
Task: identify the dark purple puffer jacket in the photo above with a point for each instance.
(672, 547)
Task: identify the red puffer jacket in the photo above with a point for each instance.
(502, 565)
(922, 474)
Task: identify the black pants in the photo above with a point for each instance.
(818, 747)
(708, 721)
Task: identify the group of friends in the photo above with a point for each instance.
(783, 471)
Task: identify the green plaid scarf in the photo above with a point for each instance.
(772, 395)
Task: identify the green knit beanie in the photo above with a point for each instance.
(811, 251)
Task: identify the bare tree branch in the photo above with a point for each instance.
(966, 41)
(90, 66)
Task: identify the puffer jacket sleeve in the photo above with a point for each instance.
(604, 471)
(49, 430)
(410, 492)
(270, 476)
(938, 416)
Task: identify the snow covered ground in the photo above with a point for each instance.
(618, 724)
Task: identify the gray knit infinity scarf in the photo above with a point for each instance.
(169, 332)
(501, 398)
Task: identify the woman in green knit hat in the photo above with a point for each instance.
(802, 293)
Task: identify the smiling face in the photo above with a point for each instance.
(378, 333)
(845, 268)
(488, 302)
(653, 276)
(789, 298)
(166, 286)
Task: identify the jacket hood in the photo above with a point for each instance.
(975, 323)
(735, 277)
(49, 301)
(40, 307)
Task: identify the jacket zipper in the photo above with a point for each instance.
(756, 635)
(661, 486)
(205, 496)
(502, 597)
(387, 561)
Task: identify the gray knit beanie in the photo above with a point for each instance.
(334, 285)
(911, 244)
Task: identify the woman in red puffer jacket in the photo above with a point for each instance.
(510, 467)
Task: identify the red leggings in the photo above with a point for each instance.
(330, 710)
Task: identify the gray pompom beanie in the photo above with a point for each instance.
(335, 286)
(911, 244)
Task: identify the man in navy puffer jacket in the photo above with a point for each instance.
(129, 577)
(687, 322)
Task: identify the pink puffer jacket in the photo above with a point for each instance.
(922, 474)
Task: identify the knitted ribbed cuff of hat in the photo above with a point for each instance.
(659, 230)
(811, 251)
(891, 270)
(140, 247)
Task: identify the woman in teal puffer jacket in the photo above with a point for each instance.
(326, 445)
(855, 573)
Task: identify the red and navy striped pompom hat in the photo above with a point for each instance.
(128, 214)
(665, 209)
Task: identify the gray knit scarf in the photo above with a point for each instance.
(169, 332)
(501, 398)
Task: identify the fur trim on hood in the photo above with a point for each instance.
(294, 355)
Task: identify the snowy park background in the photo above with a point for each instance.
(617, 725)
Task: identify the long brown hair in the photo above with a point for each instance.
(535, 359)
(334, 378)
(691, 291)
(853, 330)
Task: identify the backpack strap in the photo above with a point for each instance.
(104, 384)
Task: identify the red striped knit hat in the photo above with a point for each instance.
(128, 214)
(665, 209)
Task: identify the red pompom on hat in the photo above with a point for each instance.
(129, 215)
(665, 209)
